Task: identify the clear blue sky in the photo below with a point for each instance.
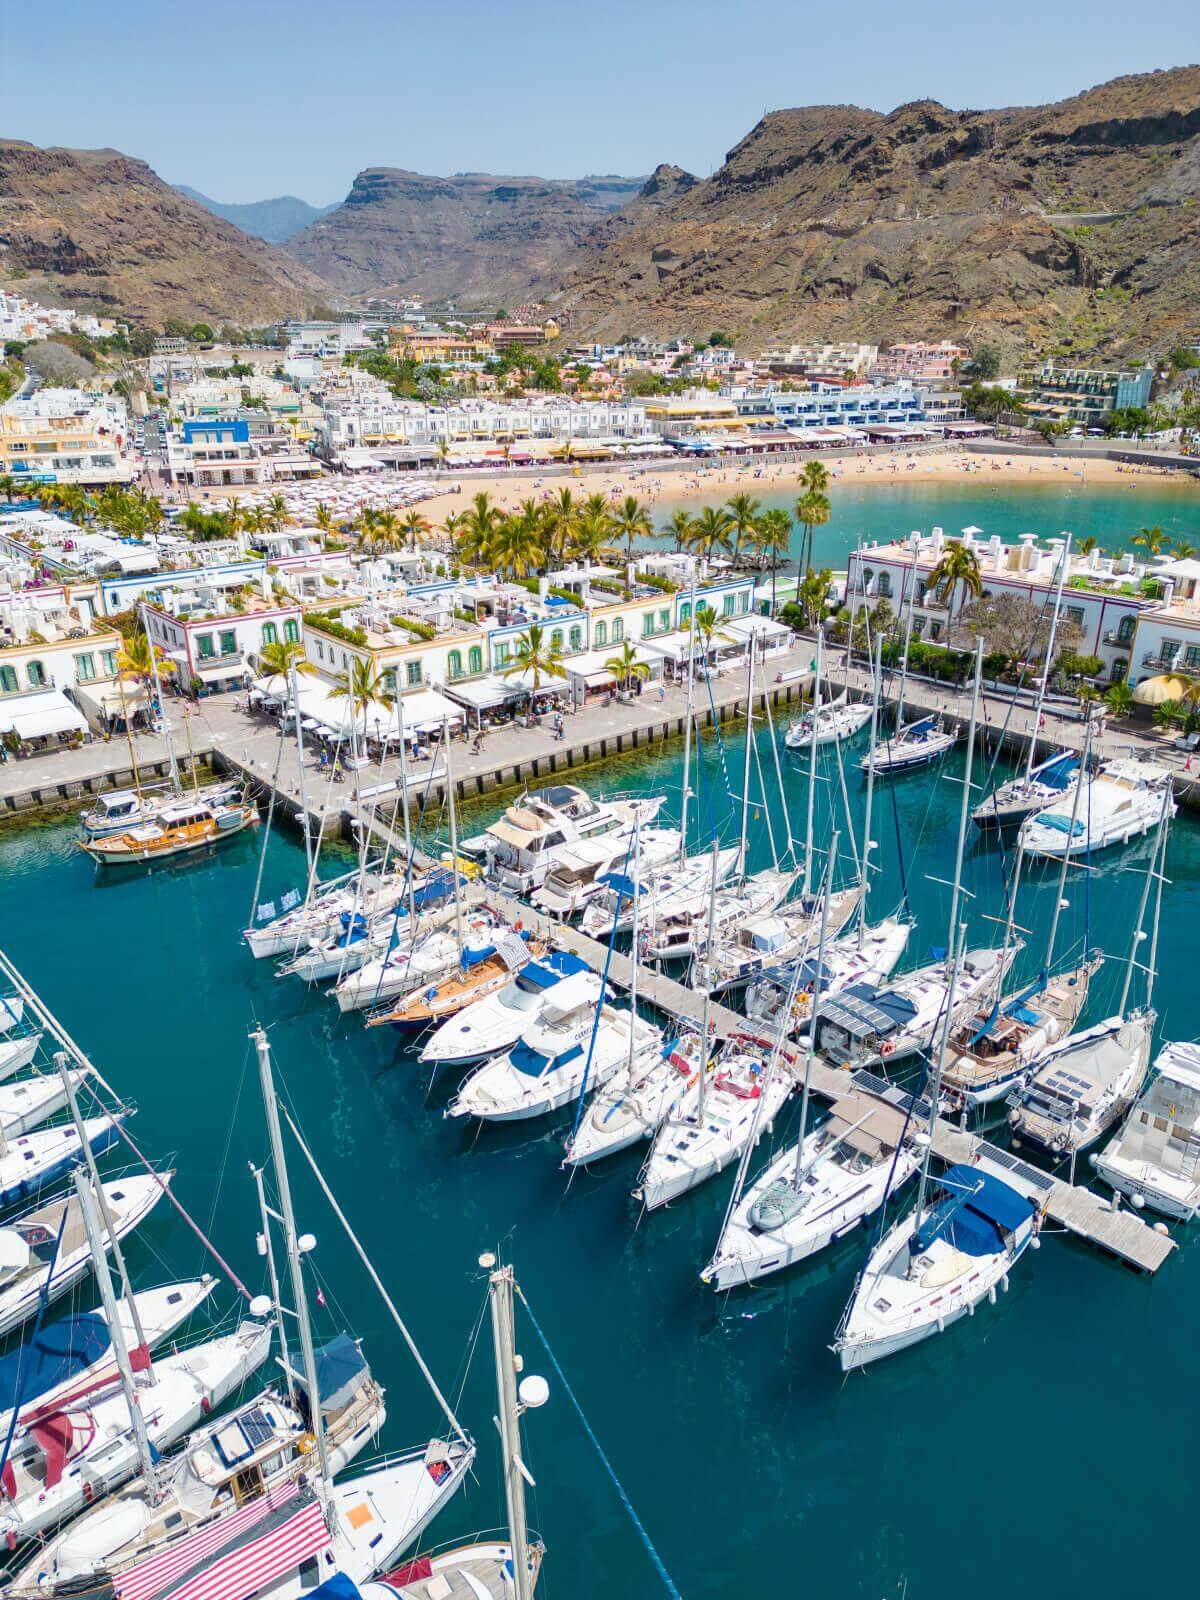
(256, 98)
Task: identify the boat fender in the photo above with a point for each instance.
(88, 1493)
(941, 1323)
(992, 1295)
(205, 1404)
(1004, 1283)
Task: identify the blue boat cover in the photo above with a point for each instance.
(437, 886)
(533, 1063)
(976, 1214)
(339, 1587)
(1058, 771)
(341, 1371)
(472, 957)
(1051, 819)
(59, 1351)
(623, 884)
(919, 729)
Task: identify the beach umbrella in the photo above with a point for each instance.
(1156, 691)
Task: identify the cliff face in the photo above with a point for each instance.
(1074, 224)
(97, 229)
(475, 239)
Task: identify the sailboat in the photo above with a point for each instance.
(671, 891)
(320, 916)
(829, 722)
(17, 1053)
(581, 871)
(480, 972)
(1052, 779)
(181, 828)
(954, 1250)
(1087, 1082)
(122, 809)
(1155, 1156)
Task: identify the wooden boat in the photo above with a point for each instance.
(181, 828)
(431, 1003)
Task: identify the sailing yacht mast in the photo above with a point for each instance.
(827, 892)
(1059, 902)
(294, 1254)
(87, 1205)
(868, 843)
(158, 695)
(1041, 694)
(749, 753)
(702, 1085)
(912, 601)
(89, 1160)
(965, 809)
(292, 684)
(458, 927)
(409, 870)
(812, 765)
(267, 1249)
(687, 722)
(516, 1473)
(635, 965)
(1152, 871)
(958, 939)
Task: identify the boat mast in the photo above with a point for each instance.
(812, 1016)
(1041, 694)
(749, 753)
(912, 601)
(409, 868)
(158, 695)
(137, 777)
(292, 684)
(288, 1219)
(868, 843)
(1138, 935)
(1059, 902)
(635, 964)
(812, 764)
(500, 1293)
(965, 809)
(458, 927)
(958, 939)
(687, 722)
(702, 1087)
(268, 1250)
(1160, 851)
(91, 1223)
(89, 1160)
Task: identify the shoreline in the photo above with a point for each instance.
(657, 482)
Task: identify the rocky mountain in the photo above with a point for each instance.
(474, 239)
(99, 230)
(1072, 226)
(273, 220)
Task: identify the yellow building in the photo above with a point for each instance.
(60, 449)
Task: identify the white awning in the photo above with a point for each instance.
(425, 711)
(675, 646)
(482, 694)
(96, 700)
(764, 628)
(593, 667)
(221, 672)
(37, 716)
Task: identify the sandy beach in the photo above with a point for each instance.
(652, 484)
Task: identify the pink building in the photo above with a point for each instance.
(919, 362)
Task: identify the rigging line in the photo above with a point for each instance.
(612, 940)
(375, 1278)
(262, 850)
(51, 1023)
(786, 809)
(224, 1167)
(762, 800)
(656, 1559)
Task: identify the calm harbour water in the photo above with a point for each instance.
(1010, 1446)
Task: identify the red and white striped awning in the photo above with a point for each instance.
(195, 1569)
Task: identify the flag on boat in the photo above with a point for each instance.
(290, 899)
(266, 911)
(238, 1556)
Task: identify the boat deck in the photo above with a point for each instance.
(467, 1580)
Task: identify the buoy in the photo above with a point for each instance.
(1161, 1227)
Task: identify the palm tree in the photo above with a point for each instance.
(414, 527)
(278, 515)
(478, 528)
(813, 594)
(593, 531)
(516, 547)
(363, 687)
(275, 660)
(365, 523)
(137, 659)
(1119, 699)
(812, 511)
(631, 520)
(744, 511)
(1086, 546)
(957, 568)
(8, 487)
(560, 519)
(324, 521)
(710, 532)
(1183, 551)
(451, 526)
(626, 666)
(773, 537)
(680, 526)
(537, 655)
(1152, 540)
(706, 629)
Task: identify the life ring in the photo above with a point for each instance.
(886, 1048)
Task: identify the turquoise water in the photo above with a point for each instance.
(1011, 1445)
(1111, 514)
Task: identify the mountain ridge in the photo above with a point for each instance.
(274, 220)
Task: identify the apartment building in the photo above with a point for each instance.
(1083, 394)
(918, 362)
(66, 436)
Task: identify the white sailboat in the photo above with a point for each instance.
(25, 1103)
(319, 918)
(1121, 802)
(832, 722)
(1155, 1157)
(555, 1058)
(674, 891)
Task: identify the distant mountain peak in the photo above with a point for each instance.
(273, 220)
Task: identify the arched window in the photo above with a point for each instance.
(556, 639)
(270, 633)
(36, 673)
(1120, 669)
(454, 663)
(8, 680)
(618, 629)
(685, 614)
(1125, 630)
(576, 638)
(291, 631)
(600, 634)
(884, 586)
(475, 658)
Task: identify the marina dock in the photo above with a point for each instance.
(1120, 1233)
